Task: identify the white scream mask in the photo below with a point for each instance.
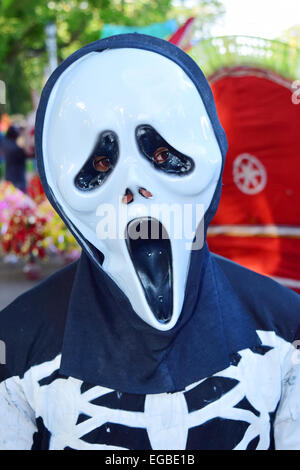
(126, 130)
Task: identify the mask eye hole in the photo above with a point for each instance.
(161, 155)
(102, 164)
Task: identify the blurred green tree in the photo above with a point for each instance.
(23, 55)
(292, 36)
(206, 13)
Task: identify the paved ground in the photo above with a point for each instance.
(13, 281)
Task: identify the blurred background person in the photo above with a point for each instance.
(15, 159)
(1, 140)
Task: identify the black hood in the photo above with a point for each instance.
(105, 341)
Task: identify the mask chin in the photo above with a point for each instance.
(150, 251)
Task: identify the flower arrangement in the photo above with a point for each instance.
(57, 237)
(11, 199)
(35, 189)
(30, 229)
(25, 233)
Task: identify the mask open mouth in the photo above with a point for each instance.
(150, 250)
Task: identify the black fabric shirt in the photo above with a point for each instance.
(54, 392)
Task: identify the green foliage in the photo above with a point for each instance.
(23, 55)
(230, 51)
(206, 13)
(292, 36)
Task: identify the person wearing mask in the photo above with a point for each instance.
(149, 341)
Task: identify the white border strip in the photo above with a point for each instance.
(252, 230)
(255, 71)
(293, 283)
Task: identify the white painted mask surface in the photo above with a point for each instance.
(125, 132)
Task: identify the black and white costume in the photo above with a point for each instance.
(143, 345)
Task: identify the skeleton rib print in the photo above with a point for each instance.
(223, 411)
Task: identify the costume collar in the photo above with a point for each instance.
(106, 344)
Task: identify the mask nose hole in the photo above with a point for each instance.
(128, 197)
(145, 193)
